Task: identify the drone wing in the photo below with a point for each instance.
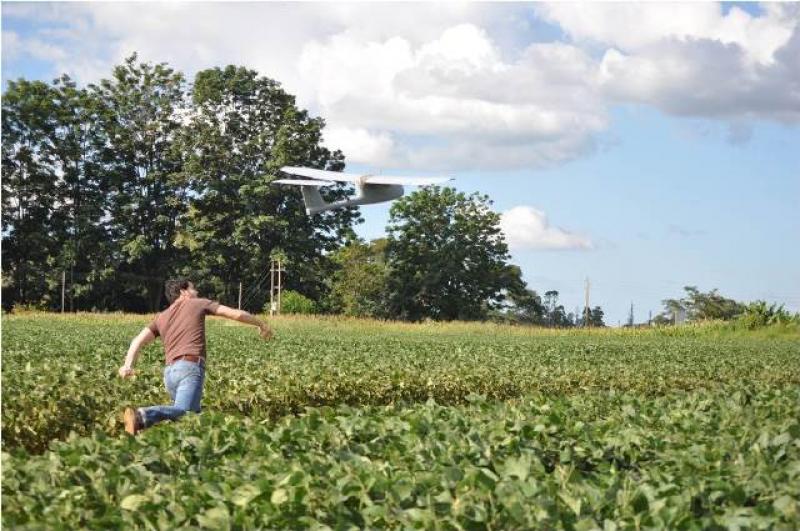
(303, 182)
(321, 174)
(362, 179)
(410, 181)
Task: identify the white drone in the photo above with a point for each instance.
(371, 188)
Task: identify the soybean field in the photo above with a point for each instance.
(349, 424)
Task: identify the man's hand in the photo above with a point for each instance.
(265, 332)
(126, 372)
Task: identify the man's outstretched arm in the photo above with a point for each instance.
(145, 337)
(244, 317)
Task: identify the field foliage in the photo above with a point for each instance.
(341, 423)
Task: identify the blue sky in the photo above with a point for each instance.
(645, 146)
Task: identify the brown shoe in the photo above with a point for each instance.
(133, 422)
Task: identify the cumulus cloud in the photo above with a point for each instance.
(526, 227)
(633, 26)
(469, 106)
(693, 60)
(370, 148)
(450, 86)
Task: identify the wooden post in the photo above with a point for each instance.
(272, 288)
(63, 288)
(240, 295)
(280, 285)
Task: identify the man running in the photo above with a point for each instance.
(182, 329)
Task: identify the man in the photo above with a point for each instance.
(182, 329)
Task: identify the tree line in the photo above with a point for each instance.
(696, 306)
(114, 187)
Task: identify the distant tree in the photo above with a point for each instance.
(555, 315)
(560, 319)
(699, 305)
(663, 319)
(360, 282)
(447, 256)
(596, 317)
(30, 190)
(759, 314)
(141, 109)
(526, 307)
(81, 225)
(550, 305)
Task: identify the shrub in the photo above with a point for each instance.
(759, 314)
(294, 302)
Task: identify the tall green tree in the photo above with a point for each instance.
(360, 281)
(81, 233)
(242, 128)
(141, 112)
(30, 191)
(447, 256)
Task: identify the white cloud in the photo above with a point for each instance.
(475, 109)
(449, 86)
(11, 45)
(360, 145)
(691, 60)
(526, 227)
(632, 26)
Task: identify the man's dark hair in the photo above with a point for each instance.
(173, 287)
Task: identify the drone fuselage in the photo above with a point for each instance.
(367, 194)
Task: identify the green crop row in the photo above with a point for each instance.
(59, 373)
(716, 459)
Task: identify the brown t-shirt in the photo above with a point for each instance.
(182, 327)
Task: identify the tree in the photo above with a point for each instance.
(241, 130)
(81, 233)
(30, 194)
(596, 317)
(555, 315)
(700, 306)
(359, 284)
(142, 105)
(447, 256)
(526, 307)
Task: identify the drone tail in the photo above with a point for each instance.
(313, 200)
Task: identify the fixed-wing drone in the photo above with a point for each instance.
(371, 188)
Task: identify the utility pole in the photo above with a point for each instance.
(650, 318)
(630, 316)
(280, 284)
(275, 283)
(272, 288)
(63, 288)
(586, 311)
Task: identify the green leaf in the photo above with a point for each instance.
(573, 503)
(214, 518)
(517, 467)
(786, 505)
(279, 496)
(245, 494)
(132, 502)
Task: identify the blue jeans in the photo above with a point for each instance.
(184, 382)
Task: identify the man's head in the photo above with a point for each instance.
(178, 288)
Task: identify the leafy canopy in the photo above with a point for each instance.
(447, 256)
